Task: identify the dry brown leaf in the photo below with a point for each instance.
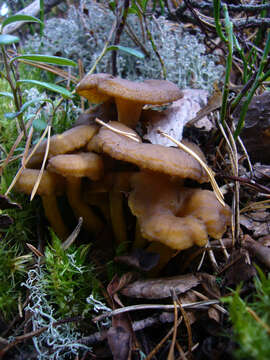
(238, 268)
(255, 248)
(119, 341)
(160, 288)
(258, 222)
(139, 259)
(214, 314)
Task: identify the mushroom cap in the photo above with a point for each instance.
(171, 161)
(155, 92)
(50, 183)
(77, 165)
(70, 140)
(88, 87)
(174, 215)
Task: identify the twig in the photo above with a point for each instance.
(175, 326)
(104, 50)
(186, 320)
(195, 305)
(233, 8)
(119, 31)
(31, 334)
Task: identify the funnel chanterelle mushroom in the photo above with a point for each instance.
(171, 161)
(70, 140)
(50, 186)
(74, 167)
(176, 216)
(129, 96)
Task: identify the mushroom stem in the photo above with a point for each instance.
(99, 200)
(90, 221)
(117, 217)
(54, 217)
(129, 112)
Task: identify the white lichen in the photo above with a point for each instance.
(57, 341)
(83, 33)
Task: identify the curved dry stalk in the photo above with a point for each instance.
(43, 164)
(120, 132)
(209, 171)
(16, 177)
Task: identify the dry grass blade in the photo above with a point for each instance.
(14, 146)
(34, 250)
(156, 349)
(212, 257)
(209, 172)
(187, 322)
(203, 297)
(43, 164)
(72, 237)
(124, 133)
(171, 352)
(259, 205)
(15, 179)
(53, 69)
(27, 145)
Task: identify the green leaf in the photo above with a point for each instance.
(26, 105)
(6, 39)
(47, 59)
(128, 50)
(7, 94)
(11, 115)
(52, 87)
(16, 18)
(39, 124)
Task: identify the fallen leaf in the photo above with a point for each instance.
(139, 259)
(238, 269)
(119, 341)
(160, 288)
(255, 248)
(258, 222)
(174, 118)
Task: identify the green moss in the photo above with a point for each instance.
(68, 279)
(13, 266)
(251, 334)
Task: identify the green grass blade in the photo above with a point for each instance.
(49, 86)
(56, 60)
(15, 18)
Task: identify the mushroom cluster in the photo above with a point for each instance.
(95, 166)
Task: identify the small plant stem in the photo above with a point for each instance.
(254, 87)
(119, 31)
(216, 4)
(14, 90)
(104, 50)
(154, 47)
(258, 319)
(242, 56)
(229, 31)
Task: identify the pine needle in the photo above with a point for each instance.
(120, 132)
(209, 172)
